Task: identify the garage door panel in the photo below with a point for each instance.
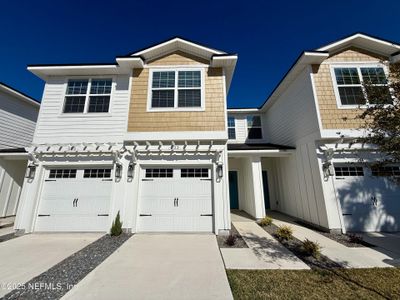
(369, 203)
(74, 203)
(175, 204)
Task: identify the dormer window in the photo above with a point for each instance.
(88, 96)
(180, 89)
(254, 129)
(348, 82)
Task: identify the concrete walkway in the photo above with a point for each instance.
(264, 251)
(25, 257)
(348, 257)
(159, 266)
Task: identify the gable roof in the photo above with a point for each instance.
(19, 95)
(363, 41)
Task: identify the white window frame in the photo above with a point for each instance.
(358, 66)
(176, 88)
(247, 127)
(234, 127)
(86, 112)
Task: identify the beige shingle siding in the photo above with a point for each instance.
(331, 116)
(212, 119)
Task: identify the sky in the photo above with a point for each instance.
(268, 36)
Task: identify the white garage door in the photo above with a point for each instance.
(75, 200)
(175, 199)
(369, 200)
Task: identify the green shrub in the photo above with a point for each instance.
(116, 228)
(311, 248)
(230, 240)
(284, 232)
(266, 221)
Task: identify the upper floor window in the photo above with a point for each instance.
(176, 89)
(231, 128)
(349, 84)
(88, 95)
(254, 130)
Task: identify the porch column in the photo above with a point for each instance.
(258, 191)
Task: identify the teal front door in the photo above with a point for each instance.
(266, 189)
(233, 189)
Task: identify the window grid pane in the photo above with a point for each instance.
(101, 86)
(62, 173)
(97, 173)
(231, 133)
(162, 98)
(194, 173)
(189, 98)
(159, 173)
(189, 79)
(99, 103)
(374, 75)
(253, 121)
(386, 171)
(77, 87)
(347, 76)
(351, 95)
(74, 104)
(349, 171)
(163, 79)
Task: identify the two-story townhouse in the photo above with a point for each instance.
(144, 136)
(324, 179)
(18, 114)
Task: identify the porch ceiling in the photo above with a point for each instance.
(260, 149)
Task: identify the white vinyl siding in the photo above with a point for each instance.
(17, 122)
(56, 127)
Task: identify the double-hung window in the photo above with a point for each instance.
(254, 130)
(231, 128)
(349, 82)
(176, 89)
(88, 96)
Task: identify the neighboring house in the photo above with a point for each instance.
(150, 136)
(313, 109)
(18, 114)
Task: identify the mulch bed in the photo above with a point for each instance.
(58, 280)
(295, 246)
(240, 243)
(348, 240)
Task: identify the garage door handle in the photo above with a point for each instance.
(102, 215)
(206, 215)
(43, 215)
(347, 214)
(144, 215)
(206, 179)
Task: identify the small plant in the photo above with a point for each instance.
(266, 221)
(231, 240)
(116, 228)
(354, 238)
(284, 232)
(311, 248)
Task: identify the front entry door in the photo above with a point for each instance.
(233, 189)
(266, 190)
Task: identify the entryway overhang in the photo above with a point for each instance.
(259, 150)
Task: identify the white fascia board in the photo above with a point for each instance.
(44, 72)
(341, 43)
(260, 153)
(179, 40)
(176, 136)
(14, 156)
(18, 95)
(243, 110)
(307, 58)
(130, 62)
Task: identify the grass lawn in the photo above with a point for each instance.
(383, 283)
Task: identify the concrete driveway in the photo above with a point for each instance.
(159, 266)
(23, 258)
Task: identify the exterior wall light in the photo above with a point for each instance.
(131, 168)
(31, 171)
(118, 170)
(220, 170)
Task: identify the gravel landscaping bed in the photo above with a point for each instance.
(295, 246)
(240, 243)
(348, 240)
(58, 280)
